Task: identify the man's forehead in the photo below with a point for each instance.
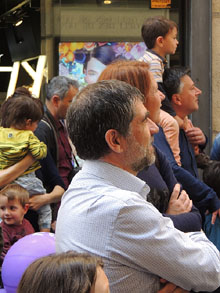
(140, 109)
(187, 79)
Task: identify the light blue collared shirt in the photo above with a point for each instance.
(104, 212)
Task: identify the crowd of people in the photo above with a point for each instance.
(135, 216)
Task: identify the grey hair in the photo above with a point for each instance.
(60, 85)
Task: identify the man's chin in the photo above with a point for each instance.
(144, 163)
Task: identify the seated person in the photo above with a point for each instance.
(14, 205)
(65, 272)
(21, 116)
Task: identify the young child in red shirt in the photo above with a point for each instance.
(13, 206)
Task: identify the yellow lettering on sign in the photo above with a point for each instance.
(160, 3)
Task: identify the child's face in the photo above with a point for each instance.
(170, 42)
(11, 211)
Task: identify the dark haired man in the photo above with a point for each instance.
(105, 212)
(184, 96)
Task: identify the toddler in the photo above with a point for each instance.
(21, 116)
(13, 206)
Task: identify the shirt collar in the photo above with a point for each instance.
(164, 60)
(117, 176)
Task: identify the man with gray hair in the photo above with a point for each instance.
(56, 172)
(105, 212)
(51, 129)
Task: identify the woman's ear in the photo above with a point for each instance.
(114, 140)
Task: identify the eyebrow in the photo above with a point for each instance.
(146, 116)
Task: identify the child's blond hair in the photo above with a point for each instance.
(15, 191)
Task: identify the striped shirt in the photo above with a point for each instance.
(15, 145)
(156, 64)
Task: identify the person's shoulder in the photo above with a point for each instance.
(103, 190)
(28, 226)
(150, 57)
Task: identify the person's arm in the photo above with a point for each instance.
(170, 288)
(11, 173)
(184, 215)
(154, 245)
(171, 131)
(37, 148)
(52, 181)
(182, 220)
(37, 201)
(202, 195)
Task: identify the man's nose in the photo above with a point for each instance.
(198, 91)
(152, 127)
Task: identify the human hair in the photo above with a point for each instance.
(172, 79)
(97, 108)
(21, 91)
(15, 191)
(134, 72)
(211, 176)
(155, 27)
(61, 273)
(60, 85)
(105, 54)
(17, 109)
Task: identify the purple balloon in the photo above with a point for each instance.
(22, 254)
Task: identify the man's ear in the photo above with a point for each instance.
(55, 100)
(114, 140)
(159, 41)
(176, 99)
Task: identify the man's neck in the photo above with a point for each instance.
(114, 160)
(51, 110)
(179, 112)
